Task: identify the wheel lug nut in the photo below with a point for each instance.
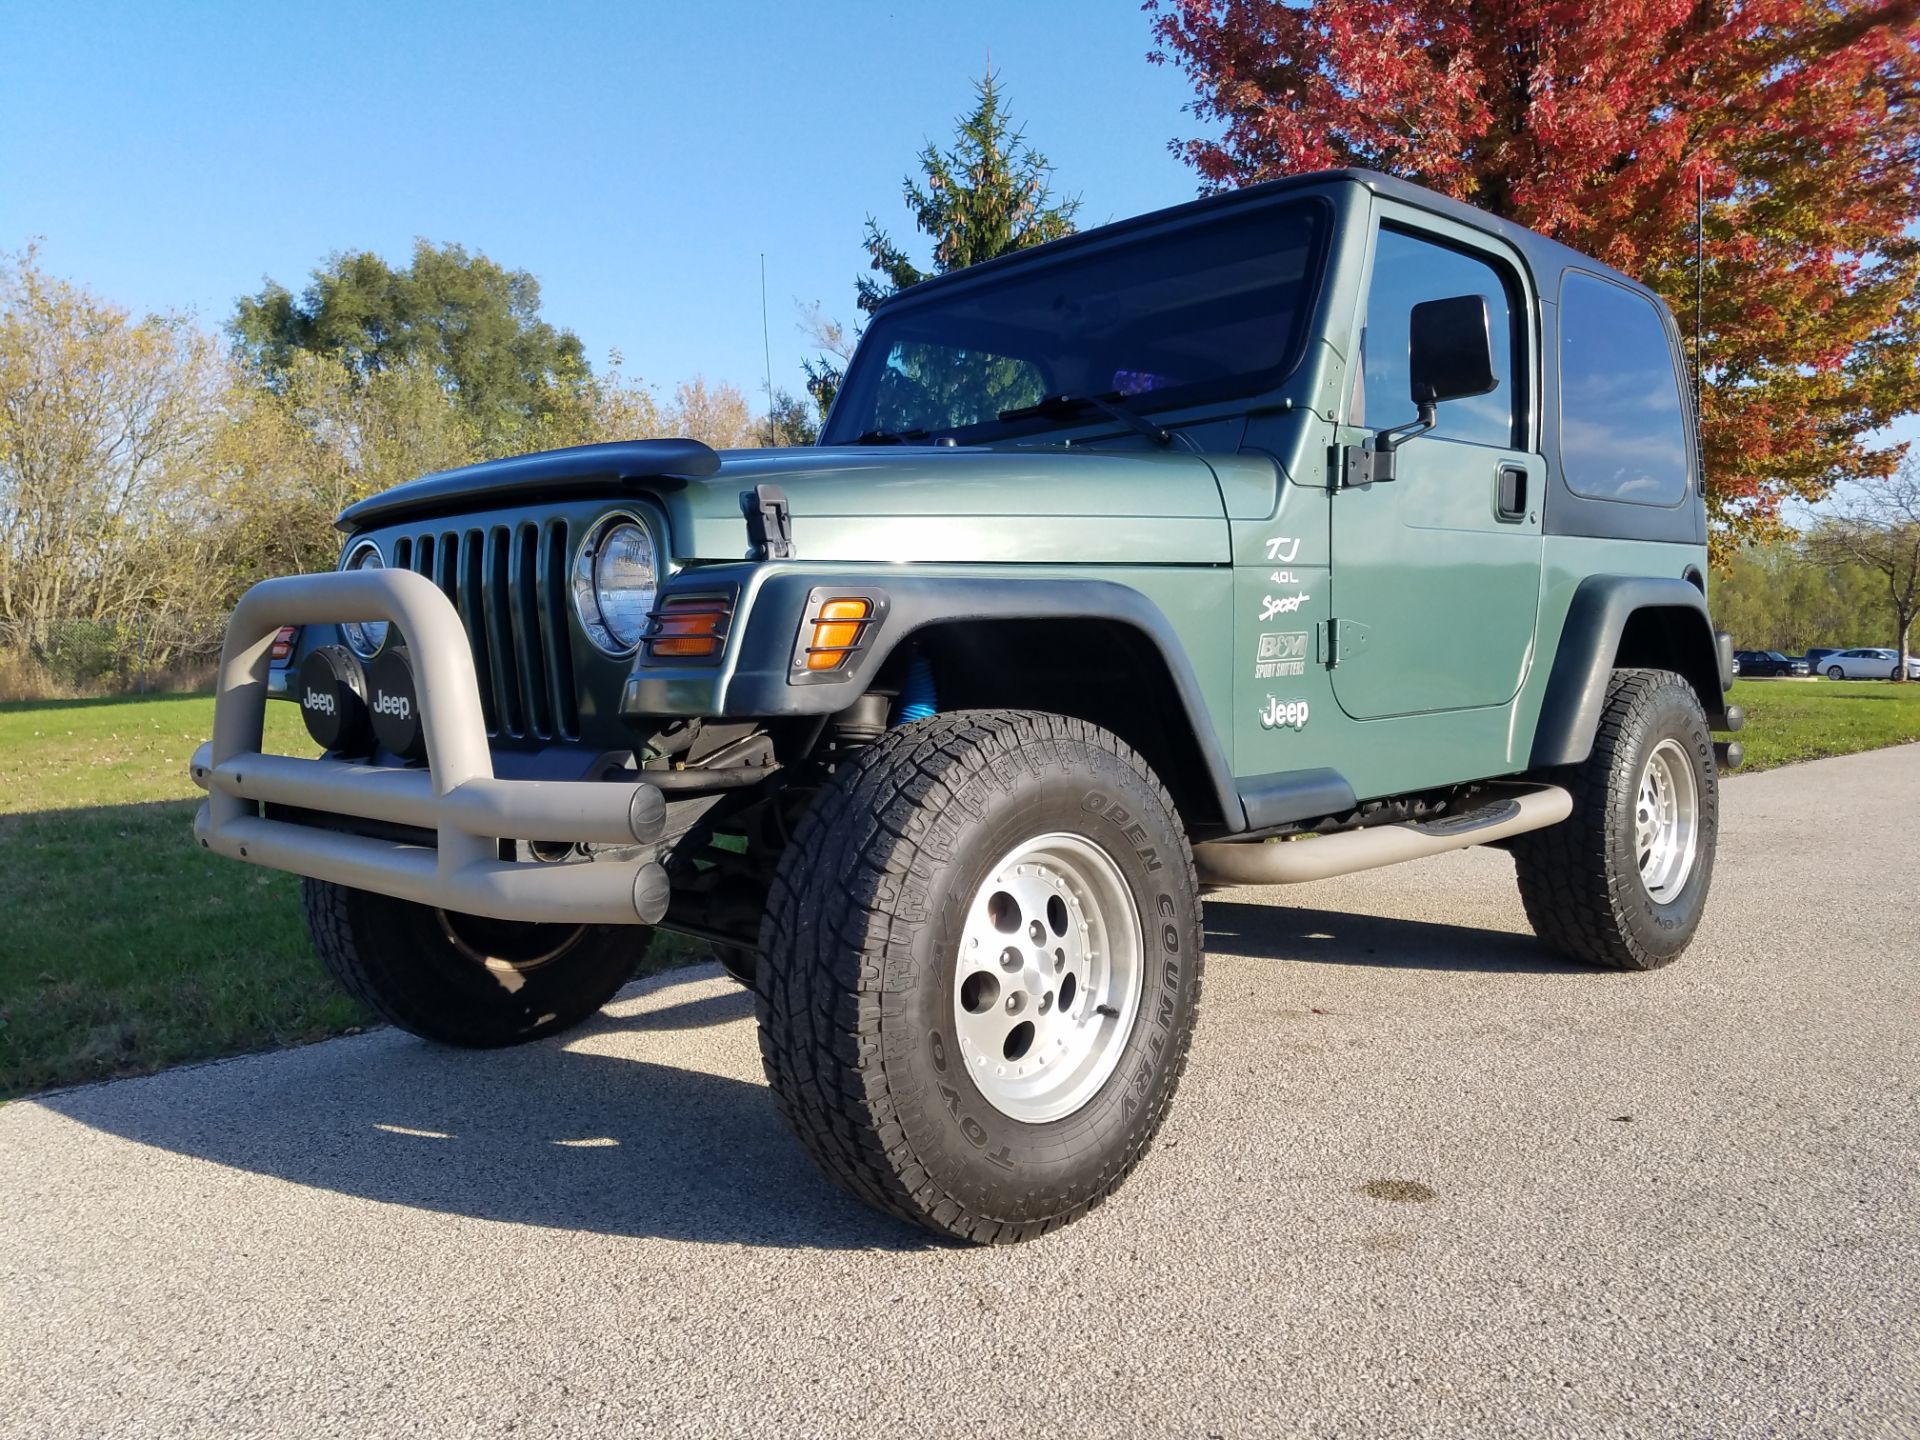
(1010, 959)
(1037, 933)
(1016, 1002)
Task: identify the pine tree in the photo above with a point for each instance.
(988, 195)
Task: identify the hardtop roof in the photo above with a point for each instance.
(1545, 257)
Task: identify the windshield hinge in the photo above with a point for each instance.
(769, 523)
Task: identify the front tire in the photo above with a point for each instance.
(461, 979)
(972, 900)
(1623, 881)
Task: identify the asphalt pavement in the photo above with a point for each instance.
(1422, 1178)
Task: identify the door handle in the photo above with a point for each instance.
(1511, 500)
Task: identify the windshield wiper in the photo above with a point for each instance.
(1061, 407)
(891, 437)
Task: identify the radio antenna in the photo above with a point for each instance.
(1699, 287)
(766, 345)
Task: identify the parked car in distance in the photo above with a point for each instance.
(1868, 664)
(1817, 653)
(1763, 663)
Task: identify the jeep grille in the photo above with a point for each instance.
(509, 583)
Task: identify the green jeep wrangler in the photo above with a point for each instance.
(1288, 533)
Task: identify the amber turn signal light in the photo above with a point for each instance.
(836, 631)
(690, 627)
(282, 650)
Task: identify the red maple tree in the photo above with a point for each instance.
(1590, 121)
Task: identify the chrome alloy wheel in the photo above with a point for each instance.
(1049, 977)
(1666, 821)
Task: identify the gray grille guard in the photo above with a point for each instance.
(457, 796)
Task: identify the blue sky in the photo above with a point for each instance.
(637, 158)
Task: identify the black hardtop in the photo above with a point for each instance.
(1546, 258)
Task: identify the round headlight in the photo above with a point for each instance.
(364, 638)
(615, 579)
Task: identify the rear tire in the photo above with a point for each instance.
(461, 979)
(1623, 881)
(973, 897)
(1834, 672)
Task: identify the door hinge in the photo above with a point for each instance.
(1337, 640)
(1361, 465)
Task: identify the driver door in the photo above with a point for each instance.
(1436, 573)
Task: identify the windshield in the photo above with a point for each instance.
(1210, 310)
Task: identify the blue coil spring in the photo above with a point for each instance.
(917, 699)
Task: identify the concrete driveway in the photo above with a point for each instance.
(1422, 1179)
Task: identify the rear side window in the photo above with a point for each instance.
(1622, 431)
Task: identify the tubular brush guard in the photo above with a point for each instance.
(457, 796)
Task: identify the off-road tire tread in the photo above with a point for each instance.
(380, 976)
(1572, 899)
(820, 1021)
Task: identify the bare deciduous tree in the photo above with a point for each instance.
(716, 414)
(1876, 524)
(107, 428)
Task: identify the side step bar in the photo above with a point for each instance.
(1320, 857)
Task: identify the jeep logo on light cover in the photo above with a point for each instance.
(317, 702)
(398, 706)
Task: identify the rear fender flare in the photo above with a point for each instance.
(1626, 620)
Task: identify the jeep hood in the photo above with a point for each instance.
(872, 503)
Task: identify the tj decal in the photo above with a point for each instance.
(1282, 654)
(1272, 605)
(1283, 548)
(1283, 714)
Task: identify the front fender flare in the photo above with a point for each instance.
(760, 682)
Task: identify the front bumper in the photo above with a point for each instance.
(457, 796)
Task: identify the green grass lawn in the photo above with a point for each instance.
(124, 947)
(1789, 720)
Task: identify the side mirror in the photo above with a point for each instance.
(1449, 357)
(1449, 350)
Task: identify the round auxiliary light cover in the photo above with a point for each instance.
(394, 704)
(333, 701)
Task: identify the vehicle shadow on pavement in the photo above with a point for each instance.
(575, 1137)
(1326, 937)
